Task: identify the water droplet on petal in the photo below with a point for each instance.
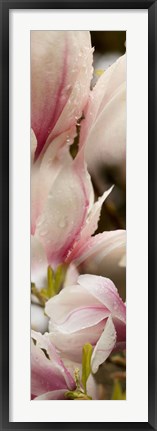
(48, 240)
(40, 222)
(62, 223)
(115, 305)
(68, 87)
(43, 232)
(68, 140)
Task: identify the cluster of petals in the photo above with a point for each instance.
(68, 215)
(61, 71)
(63, 213)
(51, 377)
(90, 311)
(64, 216)
(103, 131)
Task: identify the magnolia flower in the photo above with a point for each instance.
(51, 377)
(103, 131)
(104, 254)
(64, 215)
(63, 212)
(61, 71)
(89, 312)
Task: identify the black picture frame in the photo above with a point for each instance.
(151, 6)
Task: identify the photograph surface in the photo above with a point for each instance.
(78, 215)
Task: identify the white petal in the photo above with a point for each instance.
(44, 173)
(90, 226)
(104, 345)
(102, 255)
(39, 322)
(104, 290)
(93, 218)
(111, 138)
(63, 304)
(65, 210)
(70, 345)
(72, 275)
(92, 390)
(102, 93)
(100, 246)
(38, 263)
(61, 70)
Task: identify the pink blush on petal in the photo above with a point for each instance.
(83, 317)
(43, 131)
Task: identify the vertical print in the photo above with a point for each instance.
(78, 217)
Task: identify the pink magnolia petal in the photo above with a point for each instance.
(110, 82)
(78, 314)
(58, 151)
(100, 246)
(103, 132)
(47, 374)
(44, 174)
(44, 342)
(79, 95)
(72, 275)
(111, 140)
(57, 78)
(104, 345)
(65, 210)
(102, 93)
(44, 80)
(38, 263)
(90, 226)
(82, 317)
(60, 306)
(104, 291)
(91, 383)
(72, 366)
(43, 377)
(102, 255)
(93, 218)
(70, 345)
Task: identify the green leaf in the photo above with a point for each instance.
(86, 361)
(117, 392)
(76, 395)
(55, 282)
(50, 282)
(59, 277)
(43, 293)
(38, 294)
